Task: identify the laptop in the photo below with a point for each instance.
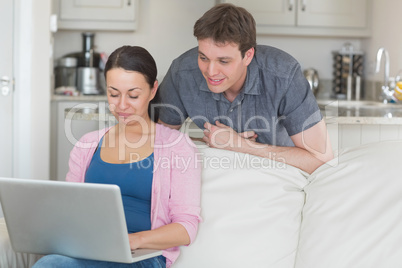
(80, 220)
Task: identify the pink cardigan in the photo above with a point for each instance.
(176, 182)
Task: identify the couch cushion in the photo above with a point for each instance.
(251, 209)
(353, 211)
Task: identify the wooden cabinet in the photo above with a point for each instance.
(121, 15)
(309, 17)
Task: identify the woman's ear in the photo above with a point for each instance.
(154, 89)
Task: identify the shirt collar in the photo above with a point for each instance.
(251, 84)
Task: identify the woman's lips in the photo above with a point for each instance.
(124, 115)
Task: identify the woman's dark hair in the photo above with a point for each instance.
(227, 23)
(138, 59)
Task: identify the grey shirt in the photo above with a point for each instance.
(276, 100)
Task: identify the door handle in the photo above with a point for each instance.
(303, 5)
(290, 5)
(5, 82)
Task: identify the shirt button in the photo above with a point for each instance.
(231, 110)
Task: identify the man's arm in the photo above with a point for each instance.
(171, 126)
(178, 128)
(312, 146)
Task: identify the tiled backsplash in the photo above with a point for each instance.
(371, 90)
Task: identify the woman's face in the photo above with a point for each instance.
(129, 94)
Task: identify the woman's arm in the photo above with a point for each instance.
(167, 236)
(183, 183)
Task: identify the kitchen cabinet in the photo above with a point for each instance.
(66, 132)
(350, 135)
(309, 17)
(119, 15)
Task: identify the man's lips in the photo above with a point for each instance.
(215, 81)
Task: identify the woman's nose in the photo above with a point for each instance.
(123, 103)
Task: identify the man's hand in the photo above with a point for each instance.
(312, 146)
(224, 137)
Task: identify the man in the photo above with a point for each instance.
(248, 98)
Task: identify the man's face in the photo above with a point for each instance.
(222, 65)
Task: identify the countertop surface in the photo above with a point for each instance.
(334, 111)
(79, 98)
(361, 112)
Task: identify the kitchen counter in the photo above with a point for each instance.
(79, 98)
(361, 112)
(334, 111)
(90, 111)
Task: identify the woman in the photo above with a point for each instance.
(155, 166)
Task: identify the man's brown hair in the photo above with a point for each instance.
(227, 23)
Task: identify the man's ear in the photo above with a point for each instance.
(249, 55)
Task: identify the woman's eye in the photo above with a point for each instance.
(113, 96)
(133, 97)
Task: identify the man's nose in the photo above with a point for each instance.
(212, 69)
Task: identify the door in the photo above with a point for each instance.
(6, 88)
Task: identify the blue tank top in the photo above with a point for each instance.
(135, 182)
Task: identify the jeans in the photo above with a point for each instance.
(59, 261)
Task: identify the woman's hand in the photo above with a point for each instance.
(167, 236)
(135, 240)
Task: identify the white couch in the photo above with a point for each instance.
(261, 213)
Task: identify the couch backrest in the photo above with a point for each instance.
(348, 213)
(251, 209)
(353, 211)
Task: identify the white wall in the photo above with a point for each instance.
(386, 32)
(165, 29)
(314, 52)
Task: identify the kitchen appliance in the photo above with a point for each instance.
(347, 73)
(84, 56)
(66, 73)
(312, 77)
(90, 80)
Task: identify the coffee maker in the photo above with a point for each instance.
(89, 67)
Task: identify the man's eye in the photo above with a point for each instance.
(224, 62)
(203, 58)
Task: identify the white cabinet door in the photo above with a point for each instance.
(330, 13)
(309, 17)
(98, 14)
(65, 133)
(350, 135)
(270, 12)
